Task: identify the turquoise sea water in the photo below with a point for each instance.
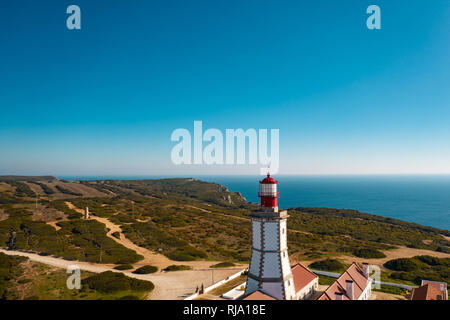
(423, 199)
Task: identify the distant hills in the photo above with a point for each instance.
(27, 178)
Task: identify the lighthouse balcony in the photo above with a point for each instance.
(269, 194)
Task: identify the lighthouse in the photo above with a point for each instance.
(270, 271)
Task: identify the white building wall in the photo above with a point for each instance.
(286, 266)
(365, 295)
(308, 290)
(283, 234)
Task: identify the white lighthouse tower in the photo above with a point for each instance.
(270, 270)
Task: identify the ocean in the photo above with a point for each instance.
(423, 199)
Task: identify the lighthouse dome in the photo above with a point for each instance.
(268, 180)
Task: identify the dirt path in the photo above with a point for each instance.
(150, 257)
(168, 286)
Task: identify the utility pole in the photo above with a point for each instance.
(37, 195)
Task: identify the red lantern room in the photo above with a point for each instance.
(268, 192)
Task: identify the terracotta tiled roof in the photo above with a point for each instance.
(258, 295)
(427, 292)
(302, 276)
(353, 273)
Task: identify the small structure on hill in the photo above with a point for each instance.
(430, 290)
(87, 215)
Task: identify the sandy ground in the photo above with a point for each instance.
(376, 295)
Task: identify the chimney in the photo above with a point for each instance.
(349, 289)
(338, 295)
(366, 269)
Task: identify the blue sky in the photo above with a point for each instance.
(105, 99)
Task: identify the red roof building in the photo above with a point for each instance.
(352, 284)
(258, 295)
(305, 282)
(430, 290)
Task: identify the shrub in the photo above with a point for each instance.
(402, 264)
(67, 191)
(145, 270)
(328, 265)
(111, 282)
(369, 253)
(129, 297)
(223, 265)
(177, 268)
(124, 267)
(116, 234)
(187, 253)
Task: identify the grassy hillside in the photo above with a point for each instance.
(184, 219)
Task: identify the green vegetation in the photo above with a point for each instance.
(9, 271)
(22, 189)
(76, 240)
(420, 267)
(325, 280)
(113, 282)
(332, 265)
(369, 253)
(370, 231)
(146, 270)
(67, 191)
(45, 188)
(124, 267)
(392, 290)
(62, 206)
(223, 265)
(228, 286)
(179, 267)
(21, 278)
